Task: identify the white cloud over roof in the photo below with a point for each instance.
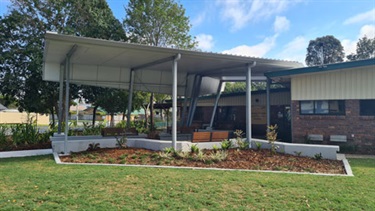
(368, 16)
(205, 41)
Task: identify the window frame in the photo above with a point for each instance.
(314, 113)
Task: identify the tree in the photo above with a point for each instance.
(365, 49)
(327, 49)
(158, 23)
(22, 40)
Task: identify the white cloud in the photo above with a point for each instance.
(205, 41)
(281, 24)
(368, 31)
(295, 50)
(198, 20)
(258, 50)
(350, 46)
(368, 16)
(239, 13)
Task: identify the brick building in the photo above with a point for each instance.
(333, 104)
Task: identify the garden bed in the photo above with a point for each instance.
(248, 159)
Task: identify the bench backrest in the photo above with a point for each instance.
(113, 131)
(201, 137)
(219, 135)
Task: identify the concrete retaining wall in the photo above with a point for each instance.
(307, 150)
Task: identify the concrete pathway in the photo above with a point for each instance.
(25, 153)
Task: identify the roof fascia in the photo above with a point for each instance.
(316, 69)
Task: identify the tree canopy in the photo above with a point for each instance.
(158, 23)
(327, 49)
(22, 41)
(365, 49)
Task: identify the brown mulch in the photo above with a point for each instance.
(236, 159)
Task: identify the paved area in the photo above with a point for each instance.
(25, 153)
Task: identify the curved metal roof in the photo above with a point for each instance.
(108, 63)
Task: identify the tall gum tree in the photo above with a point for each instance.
(158, 23)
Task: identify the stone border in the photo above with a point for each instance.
(346, 165)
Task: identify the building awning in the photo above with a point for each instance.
(108, 63)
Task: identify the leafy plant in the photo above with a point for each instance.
(297, 153)
(318, 156)
(194, 149)
(218, 156)
(215, 148)
(240, 142)
(272, 138)
(89, 129)
(93, 146)
(121, 142)
(226, 144)
(258, 145)
(169, 150)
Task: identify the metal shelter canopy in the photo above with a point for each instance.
(105, 63)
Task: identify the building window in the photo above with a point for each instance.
(322, 107)
(367, 107)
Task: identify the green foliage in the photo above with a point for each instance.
(365, 49)
(226, 144)
(3, 135)
(93, 146)
(194, 149)
(258, 145)
(272, 137)
(121, 142)
(215, 148)
(298, 153)
(89, 129)
(22, 32)
(318, 156)
(327, 47)
(158, 23)
(240, 142)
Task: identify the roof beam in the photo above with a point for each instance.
(150, 64)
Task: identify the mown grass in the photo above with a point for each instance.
(38, 183)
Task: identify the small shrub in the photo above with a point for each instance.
(240, 142)
(258, 145)
(111, 160)
(215, 148)
(194, 149)
(226, 144)
(298, 153)
(123, 156)
(318, 156)
(121, 142)
(218, 156)
(93, 146)
(272, 137)
(182, 155)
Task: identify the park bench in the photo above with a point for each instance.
(201, 137)
(118, 131)
(217, 136)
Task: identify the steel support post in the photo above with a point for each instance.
(248, 103)
(61, 90)
(218, 93)
(130, 98)
(174, 101)
(268, 103)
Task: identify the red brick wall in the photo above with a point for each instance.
(362, 127)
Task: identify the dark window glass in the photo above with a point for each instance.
(322, 107)
(367, 107)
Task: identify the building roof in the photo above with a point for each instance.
(109, 63)
(320, 69)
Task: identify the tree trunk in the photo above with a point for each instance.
(112, 124)
(94, 115)
(53, 117)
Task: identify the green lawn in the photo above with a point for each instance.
(38, 183)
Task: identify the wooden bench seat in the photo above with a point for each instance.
(217, 136)
(201, 137)
(315, 137)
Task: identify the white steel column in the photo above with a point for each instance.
(174, 101)
(67, 73)
(248, 103)
(130, 98)
(216, 103)
(61, 90)
(268, 103)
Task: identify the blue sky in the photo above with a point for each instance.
(277, 29)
